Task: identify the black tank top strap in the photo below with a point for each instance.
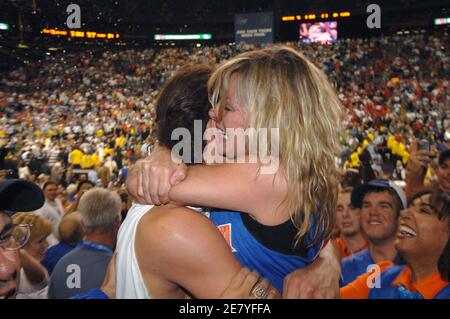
(279, 238)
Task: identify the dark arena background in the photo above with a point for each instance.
(79, 87)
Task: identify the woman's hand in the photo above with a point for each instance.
(418, 159)
(248, 285)
(151, 179)
(74, 206)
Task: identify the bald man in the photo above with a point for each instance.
(70, 229)
(70, 234)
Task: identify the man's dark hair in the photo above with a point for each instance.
(82, 183)
(48, 184)
(351, 178)
(445, 155)
(183, 100)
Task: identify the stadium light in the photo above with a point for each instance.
(440, 21)
(81, 34)
(77, 34)
(4, 26)
(170, 37)
(314, 16)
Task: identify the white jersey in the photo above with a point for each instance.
(129, 281)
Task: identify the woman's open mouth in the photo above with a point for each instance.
(405, 231)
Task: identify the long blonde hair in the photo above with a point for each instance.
(281, 89)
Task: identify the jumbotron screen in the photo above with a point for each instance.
(324, 32)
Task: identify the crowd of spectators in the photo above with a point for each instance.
(74, 121)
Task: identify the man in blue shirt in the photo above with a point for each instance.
(381, 202)
(85, 267)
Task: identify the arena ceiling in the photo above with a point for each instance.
(122, 13)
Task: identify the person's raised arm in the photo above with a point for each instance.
(240, 187)
(416, 169)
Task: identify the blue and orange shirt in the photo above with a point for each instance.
(354, 266)
(343, 249)
(395, 282)
(271, 264)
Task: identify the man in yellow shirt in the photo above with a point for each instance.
(75, 157)
(120, 140)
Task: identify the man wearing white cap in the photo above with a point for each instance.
(381, 202)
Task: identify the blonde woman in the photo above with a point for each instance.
(33, 276)
(289, 211)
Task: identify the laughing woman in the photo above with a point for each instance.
(423, 242)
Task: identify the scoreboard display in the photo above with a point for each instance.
(323, 32)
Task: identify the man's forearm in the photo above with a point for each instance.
(414, 181)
